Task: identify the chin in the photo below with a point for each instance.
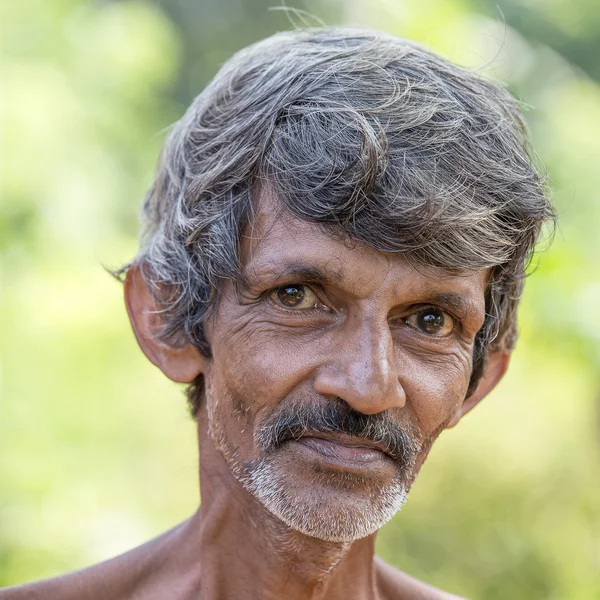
(333, 507)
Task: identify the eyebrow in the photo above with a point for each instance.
(303, 273)
(453, 301)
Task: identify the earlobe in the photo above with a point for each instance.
(180, 363)
(494, 371)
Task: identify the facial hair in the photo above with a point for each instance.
(342, 515)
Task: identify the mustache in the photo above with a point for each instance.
(290, 423)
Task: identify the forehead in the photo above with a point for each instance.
(277, 243)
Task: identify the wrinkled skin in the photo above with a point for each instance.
(355, 337)
(349, 338)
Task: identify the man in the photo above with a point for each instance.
(334, 250)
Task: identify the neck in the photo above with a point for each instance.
(234, 533)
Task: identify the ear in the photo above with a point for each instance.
(179, 363)
(494, 371)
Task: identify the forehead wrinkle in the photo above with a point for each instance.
(272, 221)
(260, 227)
(279, 244)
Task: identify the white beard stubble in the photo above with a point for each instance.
(335, 520)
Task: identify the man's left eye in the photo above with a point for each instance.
(431, 321)
(294, 296)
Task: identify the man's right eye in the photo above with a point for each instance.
(295, 296)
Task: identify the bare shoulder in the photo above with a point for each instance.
(64, 587)
(92, 583)
(395, 585)
(140, 573)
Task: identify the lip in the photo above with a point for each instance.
(346, 452)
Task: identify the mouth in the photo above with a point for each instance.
(344, 452)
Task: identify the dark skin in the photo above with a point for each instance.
(320, 319)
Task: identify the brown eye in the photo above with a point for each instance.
(431, 321)
(294, 296)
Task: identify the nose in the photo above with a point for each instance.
(362, 370)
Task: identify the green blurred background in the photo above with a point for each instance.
(97, 453)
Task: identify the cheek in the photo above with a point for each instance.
(252, 372)
(435, 388)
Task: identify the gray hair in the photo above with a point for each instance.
(371, 136)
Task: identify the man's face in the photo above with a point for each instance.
(333, 371)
